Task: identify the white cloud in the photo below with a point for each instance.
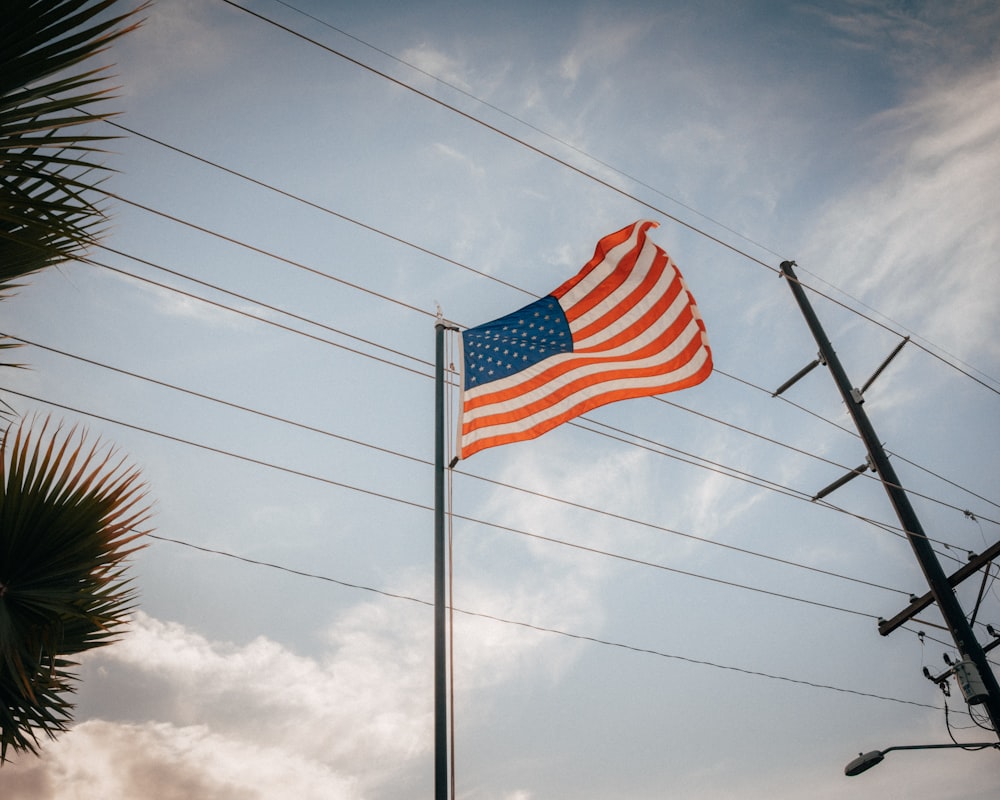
(601, 43)
(217, 720)
(163, 761)
(247, 721)
(452, 153)
(922, 240)
(175, 34)
(916, 37)
(436, 64)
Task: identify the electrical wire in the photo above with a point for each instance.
(535, 128)
(412, 504)
(325, 209)
(472, 519)
(400, 353)
(605, 165)
(263, 252)
(555, 631)
(699, 461)
(850, 431)
(248, 315)
(235, 241)
(378, 295)
(405, 242)
(425, 462)
(270, 307)
(472, 118)
(588, 175)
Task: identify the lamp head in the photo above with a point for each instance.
(864, 761)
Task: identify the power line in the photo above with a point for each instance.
(313, 429)
(849, 431)
(714, 466)
(472, 118)
(604, 164)
(533, 127)
(916, 344)
(422, 507)
(247, 299)
(584, 173)
(661, 449)
(263, 252)
(247, 314)
(325, 209)
(544, 629)
(909, 331)
(739, 475)
(448, 260)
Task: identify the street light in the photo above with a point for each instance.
(868, 760)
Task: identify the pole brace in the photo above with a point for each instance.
(850, 476)
(860, 392)
(800, 374)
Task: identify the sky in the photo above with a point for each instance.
(647, 603)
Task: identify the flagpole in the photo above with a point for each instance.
(440, 631)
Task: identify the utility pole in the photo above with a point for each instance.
(940, 587)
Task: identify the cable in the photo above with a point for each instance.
(846, 430)
(885, 327)
(505, 134)
(558, 632)
(247, 299)
(406, 305)
(722, 469)
(582, 172)
(604, 164)
(318, 207)
(289, 570)
(424, 250)
(422, 507)
(899, 325)
(273, 323)
(261, 251)
(535, 128)
(425, 462)
(712, 466)
(376, 294)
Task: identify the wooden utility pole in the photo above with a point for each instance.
(940, 586)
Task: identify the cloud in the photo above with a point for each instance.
(466, 161)
(176, 33)
(185, 716)
(163, 761)
(602, 42)
(248, 721)
(436, 64)
(923, 237)
(915, 36)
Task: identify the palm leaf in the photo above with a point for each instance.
(70, 515)
(50, 202)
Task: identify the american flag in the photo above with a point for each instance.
(625, 326)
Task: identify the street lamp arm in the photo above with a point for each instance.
(866, 761)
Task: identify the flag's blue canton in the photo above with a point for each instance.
(510, 344)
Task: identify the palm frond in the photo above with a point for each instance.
(50, 202)
(70, 517)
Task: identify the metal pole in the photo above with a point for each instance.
(961, 630)
(440, 630)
